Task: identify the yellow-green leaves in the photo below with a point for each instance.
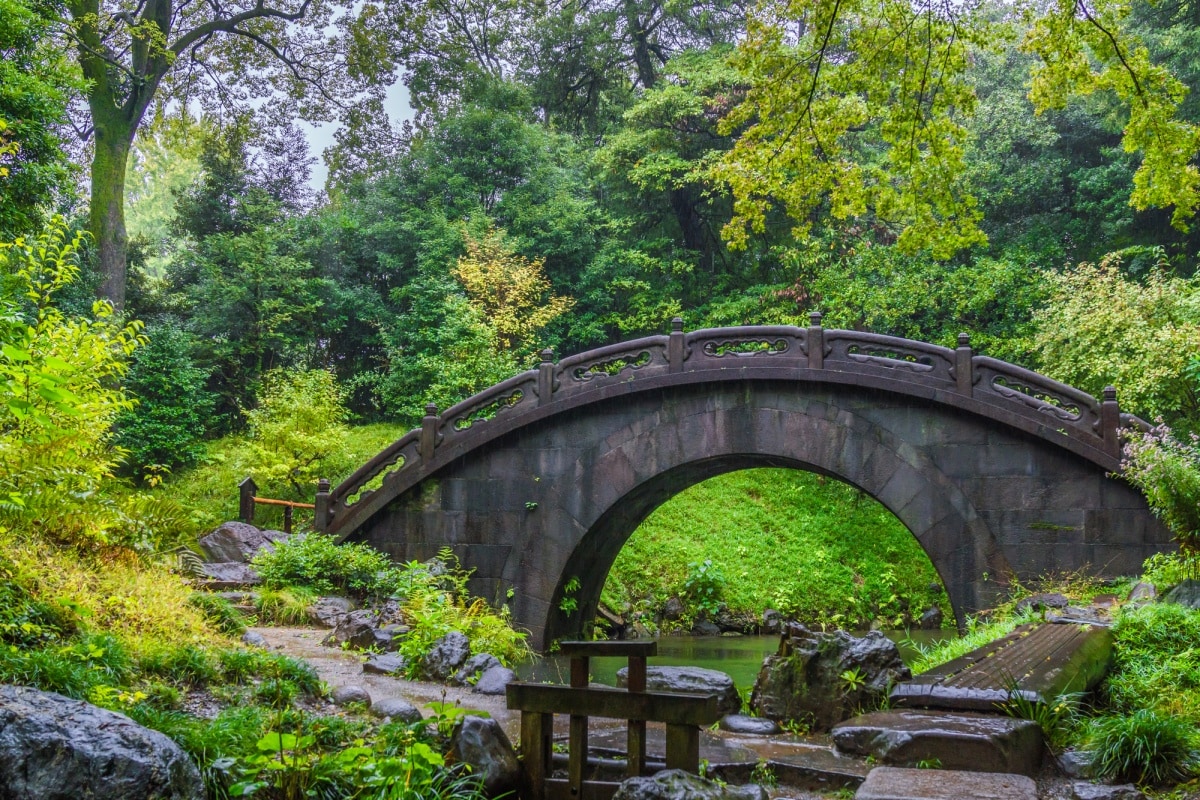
(1083, 49)
(855, 112)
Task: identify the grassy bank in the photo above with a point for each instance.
(797, 542)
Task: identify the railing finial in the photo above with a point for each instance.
(814, 318)
(676, 324)
(816, 341)
(964, 340)
(429, 426)
(545, 378)
(1110, 421)
(964, 365)
(675, 346)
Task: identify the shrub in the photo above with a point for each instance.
(166, 426)
(299, 424)
(219, 611)
(315, 562)
(1145, 746)
(284, 606)
(1168, 473)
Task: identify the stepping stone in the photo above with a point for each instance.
(893, 783)
(972, 742)
(1050, 660)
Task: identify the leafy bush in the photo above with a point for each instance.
(298, 425)
(1156, 662)
(1145, 746)
(173, 406)
(219, 611)
(1168, 473)
(316, 562)
(704, 585)
(284, 606)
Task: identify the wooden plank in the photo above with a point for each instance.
(598, 649)
(1036, 663)
(635, 747)
(682, 709)
(537, 734)
(577, 751)
(683, 747)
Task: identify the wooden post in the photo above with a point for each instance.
(545, 380)
(429, 425)
(537, 735)
(636, 738)
(964, 365)
(321, 506)
(816, 342)
(577, 743)
(247, 489)
(683, 747)
(287, 520)
(675, 345)
(1110, 421)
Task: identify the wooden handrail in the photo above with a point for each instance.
(267, 501)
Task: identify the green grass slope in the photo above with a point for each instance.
(793, 541)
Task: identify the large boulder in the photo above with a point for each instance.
(481, 743)
(1186, 594)
(494, 680)
(238, 541)
(690, 680)
(396, 709)
(55, 748)
(329, 611)
(229, 575)
(473, 668)
(446, 656)
(676, 784)
(824, 678)
(358, 629)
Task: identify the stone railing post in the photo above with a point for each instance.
(1110, 421)
(429, 426)
(675, 345)
(545, 378)
(247, 490)
(816, 342)
(964, 365)
(321, 506)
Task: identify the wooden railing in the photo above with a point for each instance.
(683, 714)
(248, 498)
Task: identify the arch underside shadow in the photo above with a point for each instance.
(559, 498)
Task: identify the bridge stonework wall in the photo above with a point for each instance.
(557, 500)
(999, 472)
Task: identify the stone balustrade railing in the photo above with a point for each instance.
(981, 385)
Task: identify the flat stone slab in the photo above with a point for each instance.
(1043, 660)
(893, 783)
(955, 741)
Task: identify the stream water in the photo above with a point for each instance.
(740, 657)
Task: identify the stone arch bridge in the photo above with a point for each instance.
(999, 472)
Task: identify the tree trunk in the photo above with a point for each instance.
(106, 219)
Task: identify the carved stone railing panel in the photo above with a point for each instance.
(909, 360)
(615, 363)
(762, 343)
(506, 398)
(398, 456)
(1062, 403)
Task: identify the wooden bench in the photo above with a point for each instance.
(683, 715)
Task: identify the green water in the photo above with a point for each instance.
(740, 657)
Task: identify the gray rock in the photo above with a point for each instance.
(690, 680)
(55, 748)
(1086, 615)
(356, 628)
(742, 723)
(239, 598)
(1043, 601)
(676, 784)
(804, 681)
(254, 639)
(706, 628)
(387, 664)
(1186, 594)
(772, 621)
(482, 744)
(1143, 593)
(329, 611)
(1098, 791)
(238, 541)
(474, 667)
(397, 709)
(1077, 763)
(494, 680)
(892, 783)
(957, 741)
(345, 695)
(931, 619)
(446, 656)
(229, 575)
(673, 609)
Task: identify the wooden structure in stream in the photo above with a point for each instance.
(683, 714)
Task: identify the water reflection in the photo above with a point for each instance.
(740, 657)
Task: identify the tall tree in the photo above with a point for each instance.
(134, 53)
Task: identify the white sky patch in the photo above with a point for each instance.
(320, 135)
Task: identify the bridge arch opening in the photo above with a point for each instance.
(578, 594)
(804, 544)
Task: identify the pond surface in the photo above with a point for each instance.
(740, 657)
